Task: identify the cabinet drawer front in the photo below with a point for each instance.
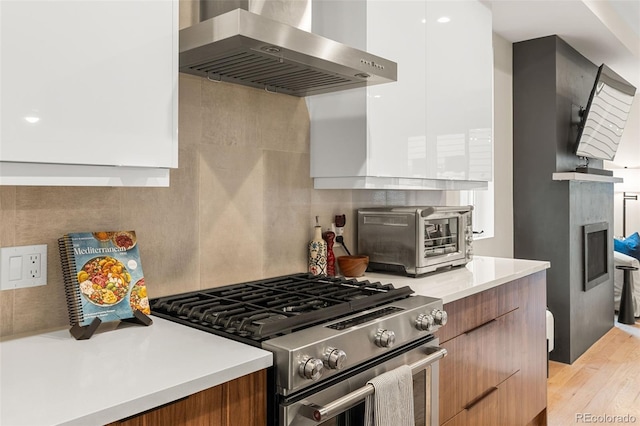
(477, 361)
(473, 311)
(496, 407)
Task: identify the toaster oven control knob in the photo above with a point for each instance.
(385, 338)
(311, 368)
(439, 317)
(335, 358)
(425, 322)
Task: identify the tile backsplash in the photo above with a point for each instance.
(241, 205)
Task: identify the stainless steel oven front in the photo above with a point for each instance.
(340, 401)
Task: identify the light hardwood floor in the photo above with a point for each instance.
(603, 383)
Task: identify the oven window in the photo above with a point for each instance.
(441, 236)
(421, 397)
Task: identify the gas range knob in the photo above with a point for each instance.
(425, 322)
(439, 317)
(311, 368)
(385, 338)
(335, 358)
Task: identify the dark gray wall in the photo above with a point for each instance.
(549, 77)
(591, 311)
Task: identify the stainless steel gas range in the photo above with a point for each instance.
(328, 336)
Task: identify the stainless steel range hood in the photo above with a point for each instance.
(261, 43)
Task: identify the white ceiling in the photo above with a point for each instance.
(629, 11)
(604, 31)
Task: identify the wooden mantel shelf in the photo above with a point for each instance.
(586, 177)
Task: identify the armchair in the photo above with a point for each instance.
(623, 259)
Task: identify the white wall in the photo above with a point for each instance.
(501, 245)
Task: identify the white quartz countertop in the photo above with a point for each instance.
(51, 378)
(481, 274)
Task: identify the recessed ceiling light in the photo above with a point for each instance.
(444, 19)
(32, 119)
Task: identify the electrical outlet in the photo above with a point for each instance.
(23, 266)
(33, 261)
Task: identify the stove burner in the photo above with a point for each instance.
(305, 306)
(270, 318)
(263, 309)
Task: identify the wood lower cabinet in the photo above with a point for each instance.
(239, 402)
(495, 372)
(477, 362)
(497, 406)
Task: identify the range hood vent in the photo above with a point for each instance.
(247, 48)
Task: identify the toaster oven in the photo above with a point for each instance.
(415, 240)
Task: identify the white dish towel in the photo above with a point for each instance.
(392, 401)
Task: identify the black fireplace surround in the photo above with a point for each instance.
(596, 246)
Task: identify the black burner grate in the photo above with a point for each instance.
(258, 310)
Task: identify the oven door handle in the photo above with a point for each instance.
(321, 413)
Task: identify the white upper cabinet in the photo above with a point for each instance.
(87, 84)
(432, 129)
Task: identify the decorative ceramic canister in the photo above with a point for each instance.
(318, 252)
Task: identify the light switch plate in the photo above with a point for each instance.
(23, 266)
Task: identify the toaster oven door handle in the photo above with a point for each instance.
(321, 413)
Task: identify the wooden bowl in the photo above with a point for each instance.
(353, 266)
